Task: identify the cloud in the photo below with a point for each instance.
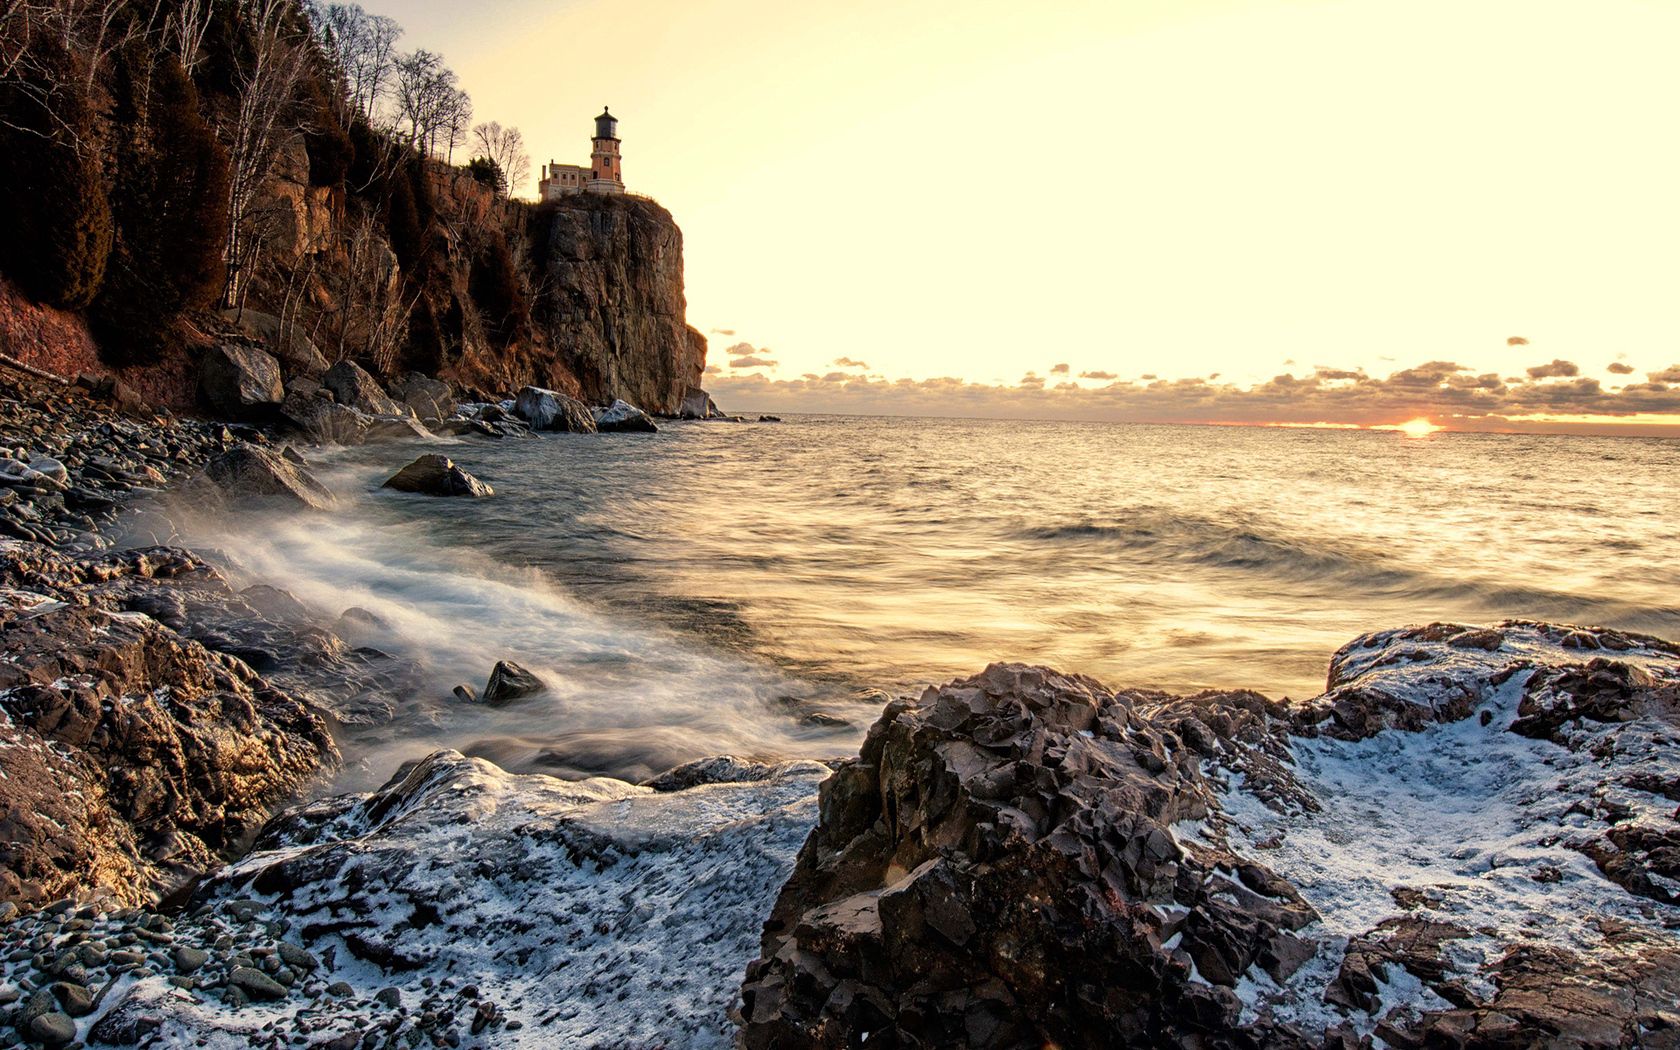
(746, 355)
(1516, 340)
(1620, 368)
(1558, 367)
(848, 362)
(1098, 375)
(1059, 370)
(723, 331)
(713, 369)
(1444, 391)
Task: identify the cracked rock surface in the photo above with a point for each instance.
(1467, 841)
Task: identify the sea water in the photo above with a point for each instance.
(754, 588)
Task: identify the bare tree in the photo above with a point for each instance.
(455, 116)
(363, 46)
(506, 148)
(90, 30)
(267, 80)
(184, 31)
(420, 85)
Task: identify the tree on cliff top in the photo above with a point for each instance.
(505, 147)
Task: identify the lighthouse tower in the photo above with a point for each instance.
(606, 167)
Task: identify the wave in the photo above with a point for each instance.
(645, 698)
(1221, 547)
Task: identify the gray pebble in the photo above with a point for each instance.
(256, 984)
(189, 959)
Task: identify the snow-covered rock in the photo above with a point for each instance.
(1470, 840)
(623, 417)
(509, 911)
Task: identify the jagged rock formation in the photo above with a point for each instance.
(437, 475)
(135, 757)
(612, 300)
(1470, 840)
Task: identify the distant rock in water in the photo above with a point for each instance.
(697, 404)
(436, 475)
(509, 681)
(552, 410)
(623, 417)
(247, 472)
(241, 382)
(1025, 858)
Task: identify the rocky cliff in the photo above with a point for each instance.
(611, 299)
(352, 245)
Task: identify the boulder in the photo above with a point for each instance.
(623, 417)
(246, 472)
(353, 387)
(288, 342)
(509, 681)
(428, 398)
(134, 756)
(697, 404)
(396, 428)
(241, 381)
(437, 475)
(1026, 858)
(320, 420)
(552, 410)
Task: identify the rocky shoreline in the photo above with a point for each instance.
(1470, 839)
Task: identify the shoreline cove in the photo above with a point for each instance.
(1231, 849)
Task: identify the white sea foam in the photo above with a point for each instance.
(625, 698)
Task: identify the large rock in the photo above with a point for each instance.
(240, 381)
(623, 417)
(552, 410)
(323, 421)
(436, 475)
(1469, 841)
(697, 404)
(352, 386)
(248, 473)
(426, 397)
(288, 342)
(134, 758)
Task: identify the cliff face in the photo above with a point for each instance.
(351, 245)
(609, 274)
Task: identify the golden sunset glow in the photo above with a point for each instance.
(1417, 428)
(1218, 190)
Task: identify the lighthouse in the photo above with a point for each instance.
(606, 167)
(605, 173)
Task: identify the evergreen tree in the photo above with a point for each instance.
(55, 226)
(170, 200)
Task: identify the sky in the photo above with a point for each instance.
(1282, 211)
